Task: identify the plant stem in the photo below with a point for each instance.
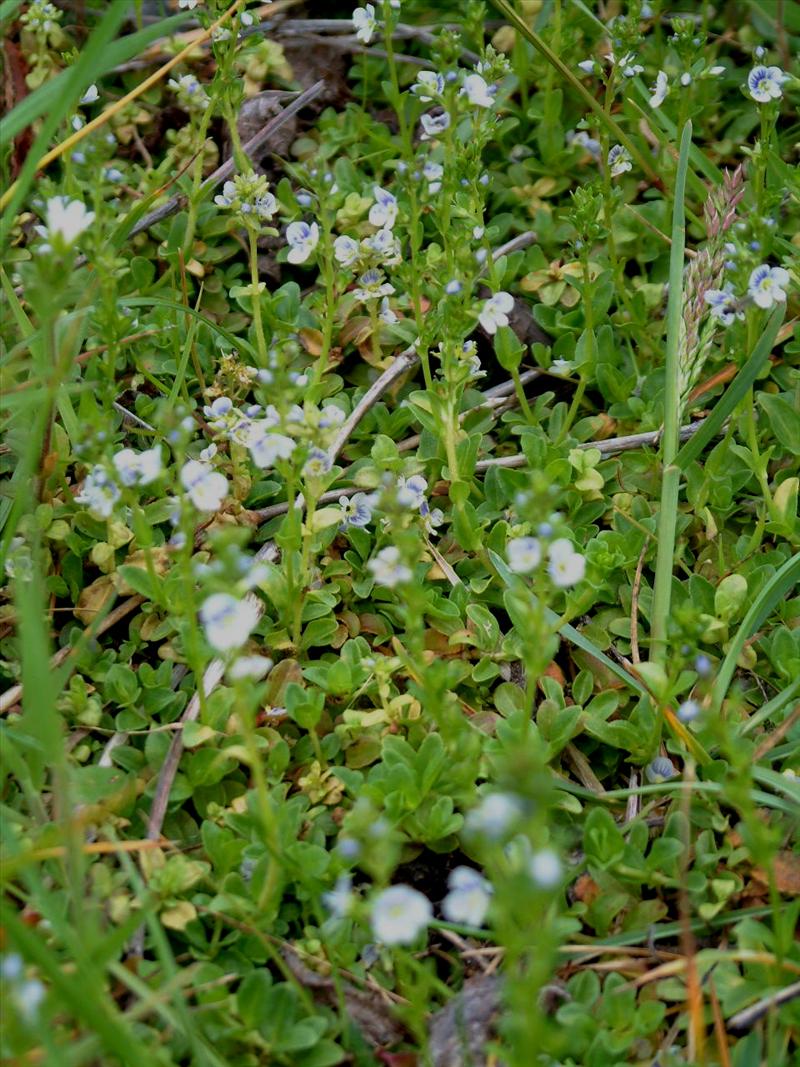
(670, 485)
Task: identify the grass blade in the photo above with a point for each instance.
(668, 516)
(784, 579)
(735, 392)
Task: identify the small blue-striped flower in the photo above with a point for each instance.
(434, 125)
(767, 285)
(387, 568)
(372, 286)
(545, 868)
(582, 139)
(411, 491)
(432, 173)
(267, 448)
(724, 305)
(302, 239)
(227, 621)
(469, 897)
(619, 160)
(190, 93)
(317, 464)
(339, 900)
(364, 23)
(355, 510)
(766, 83)
(453, 287)
(477, 91)
(659, 90)
(629, 67)
(205, 487)
(346, 250)
(566, 567)
(688, 711)
(494, 816)
(661, 769)
(99, 493)
(495, 311)
(400, 914)
(524, 554)
(383, 212)
(428, 86)
(138, 468)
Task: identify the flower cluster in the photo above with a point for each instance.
(190, 93)
(565, 566)
(249, 197)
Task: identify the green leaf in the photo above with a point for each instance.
(784, 420)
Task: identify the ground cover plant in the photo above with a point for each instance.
(400, 635)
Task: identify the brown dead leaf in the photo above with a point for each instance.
(786, 869)
(586, 889)
(94, 598)
(366, 1007)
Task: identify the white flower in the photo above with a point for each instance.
(628, 67)
(138, 468)
(99, 493)
(364, 23)
(588, 66)
(28, 997)
(434, 125)
(469, 897)
(346, 250)
(400, 914)
(302, 240)
(254, 667)
(317, 464)
(767, 285)
(524, 554)
(566, 566)
(411, 491)
(659, 90)
(356, 510)
(386, 314)
(619, 160)
(65, 221)
(387, 569)
(432, 173)
(428, 85)
(339, 900)
(205, 487)
(383, 212)
(477, 91)
(331, 415)
(714, 72)
(582, 138)
(187, 5)
(384, 245)
(90, 95)
(686, 79)
(724, 305)
(765, 83)
(371, 286)
(561, 366)
(190, 93)
(544, 868)
(267, 448)
(494, 816)
(688, 711)
(494, 313)
(228, 622)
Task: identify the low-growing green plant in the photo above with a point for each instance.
(400, 527)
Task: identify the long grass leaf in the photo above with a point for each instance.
(785, 579)
(734, 394)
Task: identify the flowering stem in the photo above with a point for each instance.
(670, 440)
(261, 343)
